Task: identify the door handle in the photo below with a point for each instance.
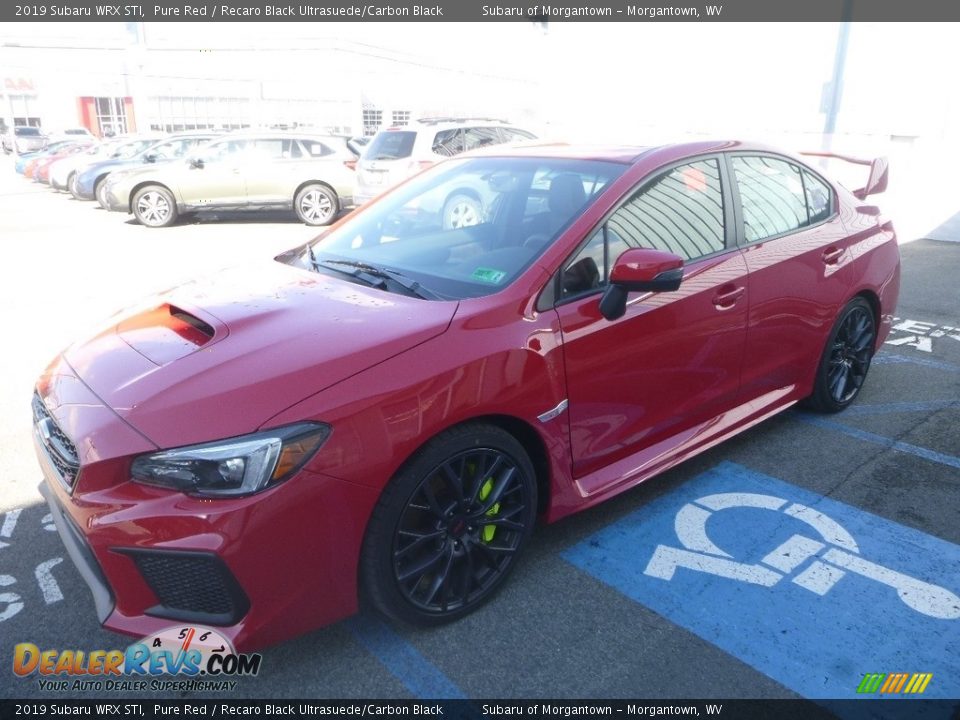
(831, 255)
(727, 296)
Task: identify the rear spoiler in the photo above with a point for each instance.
(879, 172)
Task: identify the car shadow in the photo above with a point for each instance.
(243, 217)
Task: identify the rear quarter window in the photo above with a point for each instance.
(448, 142)
(315, 148)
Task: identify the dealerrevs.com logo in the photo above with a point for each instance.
(201, 656)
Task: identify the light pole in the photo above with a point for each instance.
(833, 92)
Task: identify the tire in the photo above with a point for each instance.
(433, 553)
(846, 358)
(154, 206)
(99, 191)
(316, 204)
(73, 186)
(461, 211)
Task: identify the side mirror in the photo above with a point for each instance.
(196, 162)
(640, 270)
(150, 157)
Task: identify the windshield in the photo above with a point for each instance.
(468, 227)
(132, 148)
(390, 145)
(27, 131)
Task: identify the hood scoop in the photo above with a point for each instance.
(168, 333)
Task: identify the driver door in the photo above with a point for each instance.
(220, 180)
(648, 379)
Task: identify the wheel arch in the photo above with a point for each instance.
(873, 300)
(521, 431)
(527, 436)
(304, 184)
(147, 183)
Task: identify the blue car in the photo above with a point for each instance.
(21, 164)
(89, 181)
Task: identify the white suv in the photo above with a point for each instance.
(396, 153)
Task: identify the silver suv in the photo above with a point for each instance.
(396, 153)
(24, 139)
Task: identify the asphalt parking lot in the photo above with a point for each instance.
(607, 604)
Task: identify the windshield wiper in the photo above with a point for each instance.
(376, 276)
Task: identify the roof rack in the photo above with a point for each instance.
(436, 120)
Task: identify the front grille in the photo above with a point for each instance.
(59, 448)
(191, 585)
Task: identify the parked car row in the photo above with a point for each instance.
(159, 178)
(26, 138)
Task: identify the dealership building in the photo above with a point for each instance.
(119, 77)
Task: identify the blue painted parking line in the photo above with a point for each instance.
(898, 445)
(900, 407)
(809, 591)
(420, 676)
(890, 359)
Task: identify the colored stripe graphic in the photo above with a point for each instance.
(894, 683)
(871, 682)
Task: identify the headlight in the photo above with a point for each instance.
(238, 466)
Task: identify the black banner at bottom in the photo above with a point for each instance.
(893, 709)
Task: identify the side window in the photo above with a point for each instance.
(225, 150)
(478, 137)
(680, 211)
(818, 196)
(169, 150)
(277, 149)
(315, 148)
(771, 194)
(448, 142)
(515, 135)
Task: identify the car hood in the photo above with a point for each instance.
(218, 357)
(140, 170)
(111, 164)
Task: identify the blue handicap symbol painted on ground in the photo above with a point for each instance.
(809, 591)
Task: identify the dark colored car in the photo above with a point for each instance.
(386, 411)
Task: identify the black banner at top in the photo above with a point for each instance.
(484, 10)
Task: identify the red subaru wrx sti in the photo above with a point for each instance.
(385, 411)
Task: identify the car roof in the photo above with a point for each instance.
(189, 133)
(293, 134)
(626, 154)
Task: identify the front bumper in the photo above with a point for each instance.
(261, 569)
(81, 554)
(82, 189)
(115, 201)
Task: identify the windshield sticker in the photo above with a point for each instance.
(489, 275)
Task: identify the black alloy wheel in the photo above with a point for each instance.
(449, 529)
(846, 358)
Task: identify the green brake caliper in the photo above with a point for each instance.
(489, 530)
